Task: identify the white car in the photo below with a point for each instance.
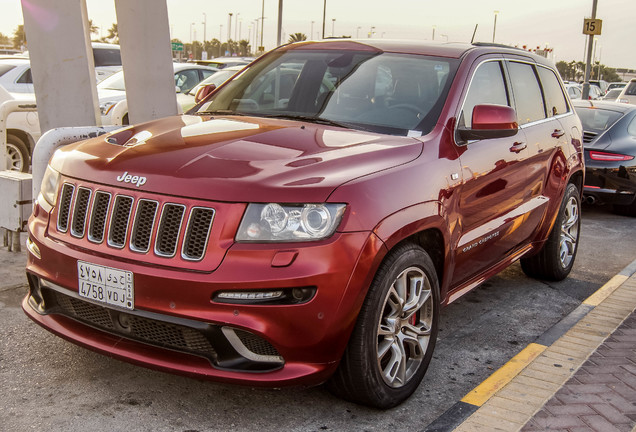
(112, 91)
(23, 131)
(628, 94)
(15, 74)
(107, 59)
(574, 90)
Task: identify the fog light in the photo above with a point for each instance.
(250, 295)
(33, 248)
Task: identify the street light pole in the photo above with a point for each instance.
(262, 24)
(279, 30)
(590, 42)
(494, 26)
(434, 27)
(229, 26)
(358, 32)
(205, 25)
(333, 25)
(324, 17)
(311, 34)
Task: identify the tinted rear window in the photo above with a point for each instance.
(4, 68)
(596, 119)
(107, 57)
(631, 89)
(554, 98)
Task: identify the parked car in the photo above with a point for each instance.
(574, 90)
(595, 93)
(628, 95)
(618, 85)
(601, 84)
(112, 91)
(609, 136)
(15, 75)
(22, 132)
(295, 235)
(188, 100)
(107, 60)
(612, 95)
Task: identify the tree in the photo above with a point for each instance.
(4, 40)
(244, 47)
(297, 37)
(92, 28)
(19, 37)
(113, 34)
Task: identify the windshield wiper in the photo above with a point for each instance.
(220, 112)
(310, 119)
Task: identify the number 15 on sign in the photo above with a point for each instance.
(592, 26)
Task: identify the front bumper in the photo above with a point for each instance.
(177, 325)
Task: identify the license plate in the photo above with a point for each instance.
(106, 285)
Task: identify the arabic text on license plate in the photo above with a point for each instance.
(106, 285)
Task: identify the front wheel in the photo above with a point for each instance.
(393, 340)
(17, 154)
(556, 258)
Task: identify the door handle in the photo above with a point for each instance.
(518, 147)
(557, 133)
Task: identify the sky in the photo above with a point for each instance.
(557, 24)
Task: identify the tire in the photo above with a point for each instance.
(394, 337)
(556, 258)
(17, 154)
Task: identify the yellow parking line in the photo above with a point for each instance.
(484, 391)
(604, 291)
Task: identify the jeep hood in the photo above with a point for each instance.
(234, 159)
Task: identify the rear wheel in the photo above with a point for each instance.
(17, 154)
(394, 337)
(556, 258)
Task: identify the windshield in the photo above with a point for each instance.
(113, 82)
(389, 93)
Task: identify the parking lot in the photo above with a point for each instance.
(50, 384)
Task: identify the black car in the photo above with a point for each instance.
(609, 136)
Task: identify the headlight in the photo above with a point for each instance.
(105, 108)
(289, 222)
(48, 190)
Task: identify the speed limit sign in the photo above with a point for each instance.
(592, 26)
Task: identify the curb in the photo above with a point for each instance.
(539, 384)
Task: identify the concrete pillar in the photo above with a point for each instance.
(62, 62)
(144, 35)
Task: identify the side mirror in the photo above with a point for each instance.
(177, 89)
(491, 121)
(203, 92)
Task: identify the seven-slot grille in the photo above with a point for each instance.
(115, 218)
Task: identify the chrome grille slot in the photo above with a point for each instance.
(197, 233)
(80, 211)
(169, 229)
(143, 225)
(66, 198)
(119, 221)
(97, 225)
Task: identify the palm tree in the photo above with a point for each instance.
(19, 38)
(297, 37)
(113, 34)
(92, 27)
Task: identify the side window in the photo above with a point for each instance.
(26, 77)
(554, 98)
(527, 92)
(186, 79)
(486, 87)
(206, 73)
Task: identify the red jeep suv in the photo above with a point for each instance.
(306, 222)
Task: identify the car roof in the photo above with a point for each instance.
(612, 106)
(437, 49)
